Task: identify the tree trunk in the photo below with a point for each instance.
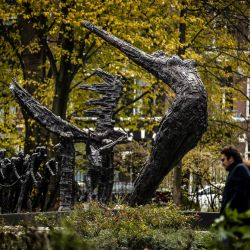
(177, 195)
(61, 97)
(182, 126)
(33, 71)
(66, 69)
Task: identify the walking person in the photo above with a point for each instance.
(237, 188)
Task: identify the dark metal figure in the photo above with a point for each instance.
(99, 143)
(49, 171)
(66, 153)
(20, 176)
(32, 164)
(45, 117)
(100, 154)
(180, 130)
(182, 126)
(9, 180)
(17, 163)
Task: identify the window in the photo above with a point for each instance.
(248, 103)
(247, 151)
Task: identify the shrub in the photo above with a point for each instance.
(150, 226)
(232, 231)
(32, 238)
(202, 240)
(66, 239)
(93, 226)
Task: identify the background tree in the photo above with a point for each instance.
(46, 42)
(214, 33)
(129, 158)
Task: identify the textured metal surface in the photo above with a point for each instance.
(43, 115)
(183, 124)
(19, 176)
(100, 155)
(66, 159)
(100, 142)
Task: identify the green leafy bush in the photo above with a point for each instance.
(202, 240)
(66, 239)
(232, 231)
(33, 238)
(93, 226)
(150, 226)
(89, 221)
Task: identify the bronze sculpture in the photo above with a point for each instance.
(179, 131)
(100, 142)
(184, 123)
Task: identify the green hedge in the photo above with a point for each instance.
(92, 226)
(143, 227)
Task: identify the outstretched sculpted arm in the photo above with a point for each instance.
(138, 56)
(175, 72)
(43, 115)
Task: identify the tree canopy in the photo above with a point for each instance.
(44, 46)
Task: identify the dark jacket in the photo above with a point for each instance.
(237, 188)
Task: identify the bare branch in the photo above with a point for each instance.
(86, 78)
(88, 51)
(51, 59)
(201, 30)
(239, 90)
(132, 102)
(231, 124)
(91, 54)
(211, 48)
(239, 30)
(223, 69)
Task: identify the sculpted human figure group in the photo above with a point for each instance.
(99, 143)
(19, 176)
